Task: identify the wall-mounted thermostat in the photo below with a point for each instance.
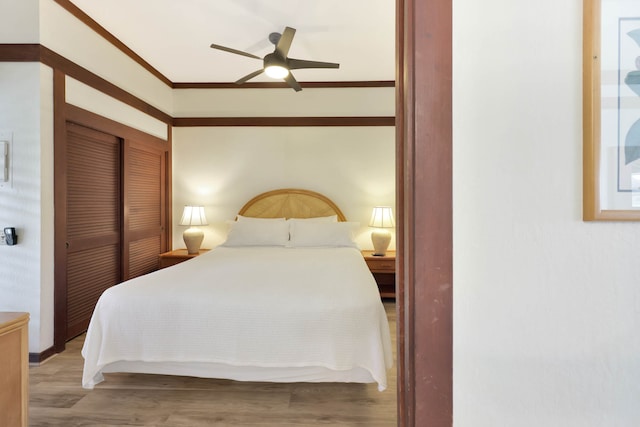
(10, 236)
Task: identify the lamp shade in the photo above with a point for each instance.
(193, 215)
(193, 236)
(382, 217)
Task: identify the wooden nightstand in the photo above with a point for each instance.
(384, 271)
(177, 256)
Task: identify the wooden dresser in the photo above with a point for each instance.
(14, 369)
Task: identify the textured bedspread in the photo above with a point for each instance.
(246, 307)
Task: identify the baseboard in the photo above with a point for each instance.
(42, 356)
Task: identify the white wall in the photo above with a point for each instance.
(546, 306)
(223, 167)
(20, 23)
(26, 118)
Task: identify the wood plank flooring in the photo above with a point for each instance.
(58, 399)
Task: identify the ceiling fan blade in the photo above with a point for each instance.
(236, 51)
(249, 76)
(296, 64)
(291, 81)
(282, 48)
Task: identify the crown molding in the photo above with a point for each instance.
(283, 121)
(283, 85)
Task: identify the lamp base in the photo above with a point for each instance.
(380, 240)
(193, 239)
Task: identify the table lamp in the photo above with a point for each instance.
(193, 236)
(381, 219)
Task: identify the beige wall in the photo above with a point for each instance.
(223, 167)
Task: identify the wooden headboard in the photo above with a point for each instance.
(290, 203)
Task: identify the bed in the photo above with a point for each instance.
(260, 307)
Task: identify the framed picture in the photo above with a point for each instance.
(611, 112)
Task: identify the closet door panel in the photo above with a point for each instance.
(145, 215)
(93, 221)
(89, 273)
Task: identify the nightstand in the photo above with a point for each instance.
(177, 256)
(384, 271)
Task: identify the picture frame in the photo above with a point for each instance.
(611, 110)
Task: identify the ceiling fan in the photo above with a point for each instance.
(277, 64)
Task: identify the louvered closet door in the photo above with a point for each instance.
(145, 216)
(93, 221)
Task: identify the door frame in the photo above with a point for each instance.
(424, 140)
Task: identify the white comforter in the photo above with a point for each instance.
(245, 307)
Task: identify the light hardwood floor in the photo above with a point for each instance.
(57, 398)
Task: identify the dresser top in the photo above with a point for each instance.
(12, 319)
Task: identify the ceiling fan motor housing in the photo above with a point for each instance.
(275, 60)
(274, 38)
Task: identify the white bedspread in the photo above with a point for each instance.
(246, 307)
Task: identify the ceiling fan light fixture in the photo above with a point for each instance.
(276, 71)
(277, 65)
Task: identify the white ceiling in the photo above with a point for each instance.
(174, 36)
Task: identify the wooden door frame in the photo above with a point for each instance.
(424, 140)
(60, 214)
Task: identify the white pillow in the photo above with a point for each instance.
(319, 234)
(262, 220)
(258, 233)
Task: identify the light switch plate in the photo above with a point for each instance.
(6, 155)
(4, 161)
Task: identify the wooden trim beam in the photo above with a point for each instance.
(85, 76)
(36, 52)
(44, 55)
(19, 52)
(94, 121)
(100, 30)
